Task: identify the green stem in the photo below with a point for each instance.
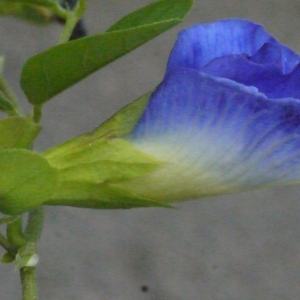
(37, 113)
(28, 281)
(68, 29)
(60, 11)
(34, 226)
(4, 87)
(32, 234)
(14, 232)
(5, 243)
(72, 18)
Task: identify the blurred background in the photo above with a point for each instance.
(244, 246)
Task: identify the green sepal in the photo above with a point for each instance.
(88, 172)
(98, 196)
(92, 164)
(56, 69)
(17, 132)
(27, 180)
(120, 124)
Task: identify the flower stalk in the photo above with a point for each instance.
(72, 18)
(28, 273)
(28, 281)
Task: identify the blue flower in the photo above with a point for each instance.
(226, 117)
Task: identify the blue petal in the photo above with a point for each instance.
(241, 51)
(199, 44)
(221, 137)
(267, 78)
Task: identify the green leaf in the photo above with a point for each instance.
(51, 72)
(7, 258)
(29, 10)
(8, 220)
(34, 2)
(154, 12)
(36, 14)
(17, 132)
(27, 180)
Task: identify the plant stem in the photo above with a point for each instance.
(60, 11)
(37, 113)
(5, 243)
(28, 281)
(68, 29)
(34, 225)
(6, 90)
(32, 234)
(4, 87)
(72, 18)
(10, 103)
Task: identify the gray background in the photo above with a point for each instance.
(244, 246)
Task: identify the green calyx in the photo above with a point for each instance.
(90, 165)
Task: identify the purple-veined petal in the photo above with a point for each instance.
(216, 136)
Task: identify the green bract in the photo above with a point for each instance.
(17, 132)
(27, 180)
